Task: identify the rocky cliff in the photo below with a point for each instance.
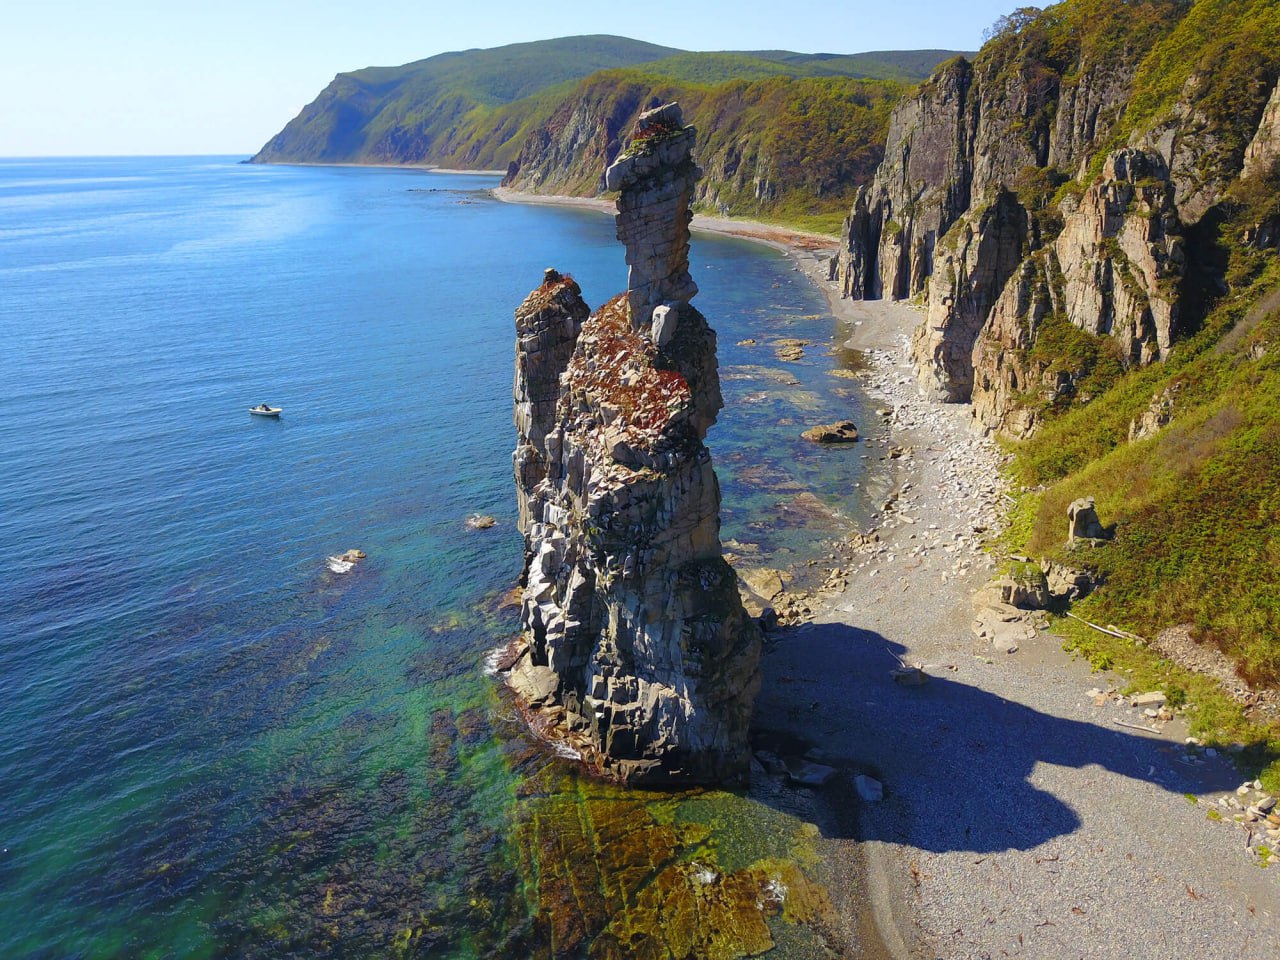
(792, 144)
(636, 651)
(1046, 182)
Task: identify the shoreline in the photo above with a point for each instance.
(1020, 816)
(420, 167)
(775, 235)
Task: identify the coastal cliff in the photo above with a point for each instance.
(796, 146)
(1026, 190)
(783, 134)
(636, 653)
(1088, 213)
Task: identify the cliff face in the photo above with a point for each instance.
(1122, 257)
(969, 207)
(784, 143)
(636, 652)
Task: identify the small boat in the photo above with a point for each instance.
(262, 410)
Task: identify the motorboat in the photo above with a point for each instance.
(262, 410)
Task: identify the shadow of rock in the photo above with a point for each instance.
(831, 686)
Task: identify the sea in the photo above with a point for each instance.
(211, 744)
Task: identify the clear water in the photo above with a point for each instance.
(210, 745)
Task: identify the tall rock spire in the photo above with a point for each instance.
(655, 178)
(636, 652)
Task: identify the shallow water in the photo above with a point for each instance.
(210, 745)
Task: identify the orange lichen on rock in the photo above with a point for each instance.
(615, 371)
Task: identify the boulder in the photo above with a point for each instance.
(870, 790)
(842, 431)
(1082, 521)
(1066, 583)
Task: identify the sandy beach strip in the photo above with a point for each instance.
(779, 237)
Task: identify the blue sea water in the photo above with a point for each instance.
(211, 745)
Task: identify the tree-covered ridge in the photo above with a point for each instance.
(475, 108)
(371, 114)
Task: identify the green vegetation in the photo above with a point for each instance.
(1196, 508)
(477, 108)
(1196, 505)
(1213, 716)
(396, 114)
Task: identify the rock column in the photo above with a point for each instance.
(656, 176)
(636, 653)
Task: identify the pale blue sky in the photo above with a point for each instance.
(147, 77)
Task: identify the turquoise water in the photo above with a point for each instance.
(210, 745)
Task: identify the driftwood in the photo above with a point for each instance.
(1111, 631)
(1136, 726)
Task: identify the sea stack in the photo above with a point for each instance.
(636, 652)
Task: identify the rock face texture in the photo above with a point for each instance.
(1121, 256)
(1264, 149)
(655, 181)
(636, 652)
(971, 267)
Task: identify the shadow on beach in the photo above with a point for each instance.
(829, 685)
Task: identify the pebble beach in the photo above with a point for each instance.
(1024, 813)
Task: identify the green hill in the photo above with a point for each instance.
(395, 114)
(474, 108)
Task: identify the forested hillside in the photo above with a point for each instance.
(782, 134)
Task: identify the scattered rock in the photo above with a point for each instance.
(479, 521)
(790, 350)
(345, 561)
(804, 773)
(771, 761)
(765, 582)
(842, 431)
(869, 789)
(1024, 589)
(1082, 521)
(1066, 583)
(1153, 699)
(910, 676)
(663, 328)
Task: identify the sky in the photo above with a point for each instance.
(140, 77)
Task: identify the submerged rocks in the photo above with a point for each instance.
(637, 652)
(842, 431)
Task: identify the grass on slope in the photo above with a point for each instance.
(475, 108)
(1196, 506)
(721, 67)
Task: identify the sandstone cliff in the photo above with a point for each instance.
(636, 653)
(1010, 201)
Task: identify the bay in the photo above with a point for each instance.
(210, 744)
